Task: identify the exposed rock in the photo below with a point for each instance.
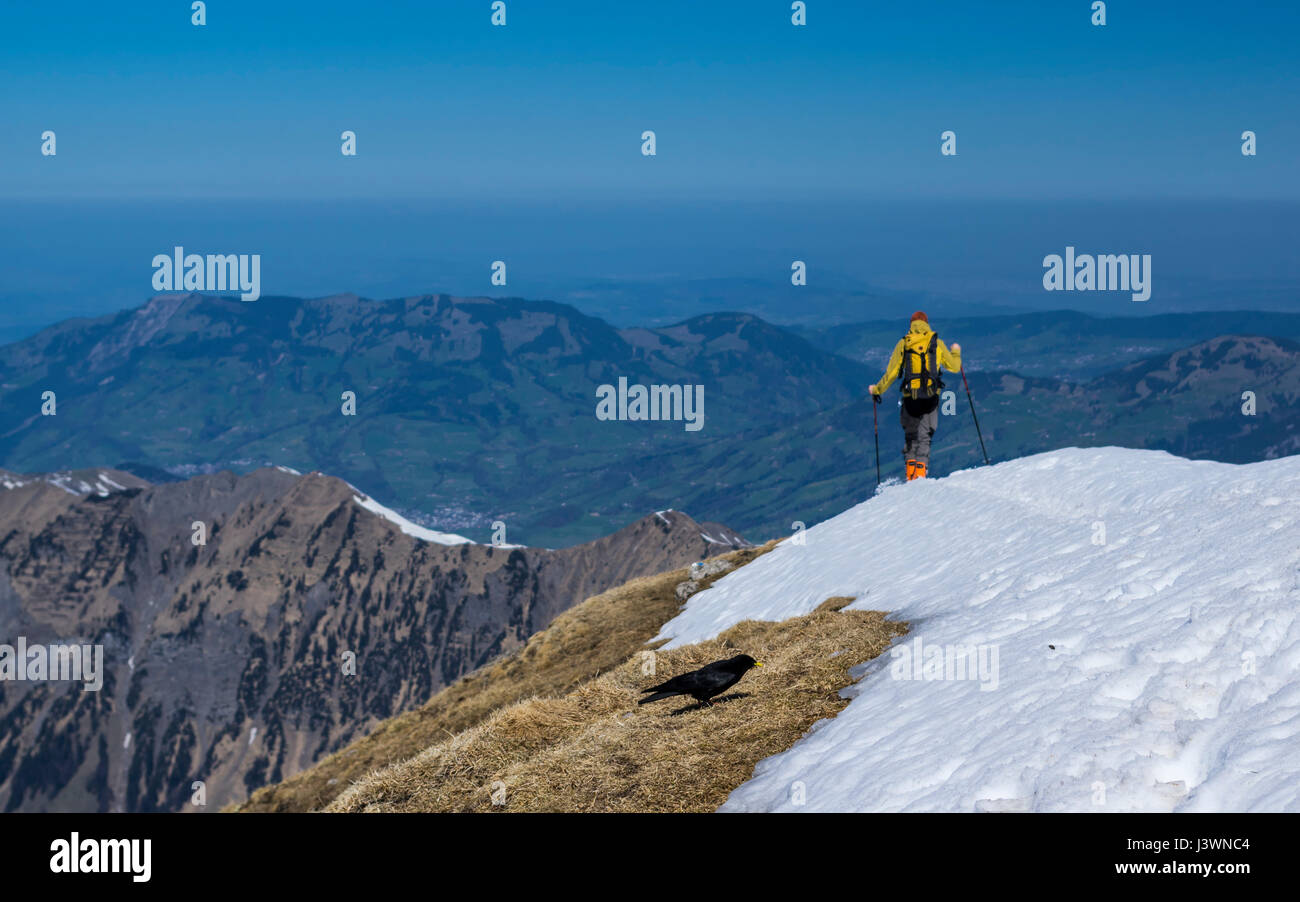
(303, 621)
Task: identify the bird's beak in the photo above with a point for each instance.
(758, 663)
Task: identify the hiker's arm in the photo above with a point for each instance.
(949, 358)
(891, 371)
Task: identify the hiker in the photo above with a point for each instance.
(917, 358)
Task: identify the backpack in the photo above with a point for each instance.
(920, 368)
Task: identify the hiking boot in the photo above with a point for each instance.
(918, 472)
(911, 470)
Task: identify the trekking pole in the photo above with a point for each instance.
(973, 414)
(875, 421)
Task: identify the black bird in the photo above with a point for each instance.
(705, 683)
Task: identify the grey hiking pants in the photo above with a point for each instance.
(917, 432)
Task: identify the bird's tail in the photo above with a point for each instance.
(657, 696)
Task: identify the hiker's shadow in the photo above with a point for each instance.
(717, 701)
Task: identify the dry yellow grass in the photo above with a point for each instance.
(588, 639)
(596, 750)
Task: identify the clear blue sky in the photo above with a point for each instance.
(744, 104)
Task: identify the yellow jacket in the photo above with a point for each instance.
(945, 358)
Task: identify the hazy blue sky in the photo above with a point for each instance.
(775, 143)
(744, 104)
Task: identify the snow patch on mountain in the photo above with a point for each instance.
(74, 483)
(406, 526)
(1139, 619)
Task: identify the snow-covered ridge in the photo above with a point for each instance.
(1138, 617)
(77, 483)
(82, 483)
(405, 525)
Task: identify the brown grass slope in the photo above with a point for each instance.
(596, 750)
(593, 637)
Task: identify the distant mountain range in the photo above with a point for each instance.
(468, 411)
(227, 662)
(471, 411)
(1060, 344)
